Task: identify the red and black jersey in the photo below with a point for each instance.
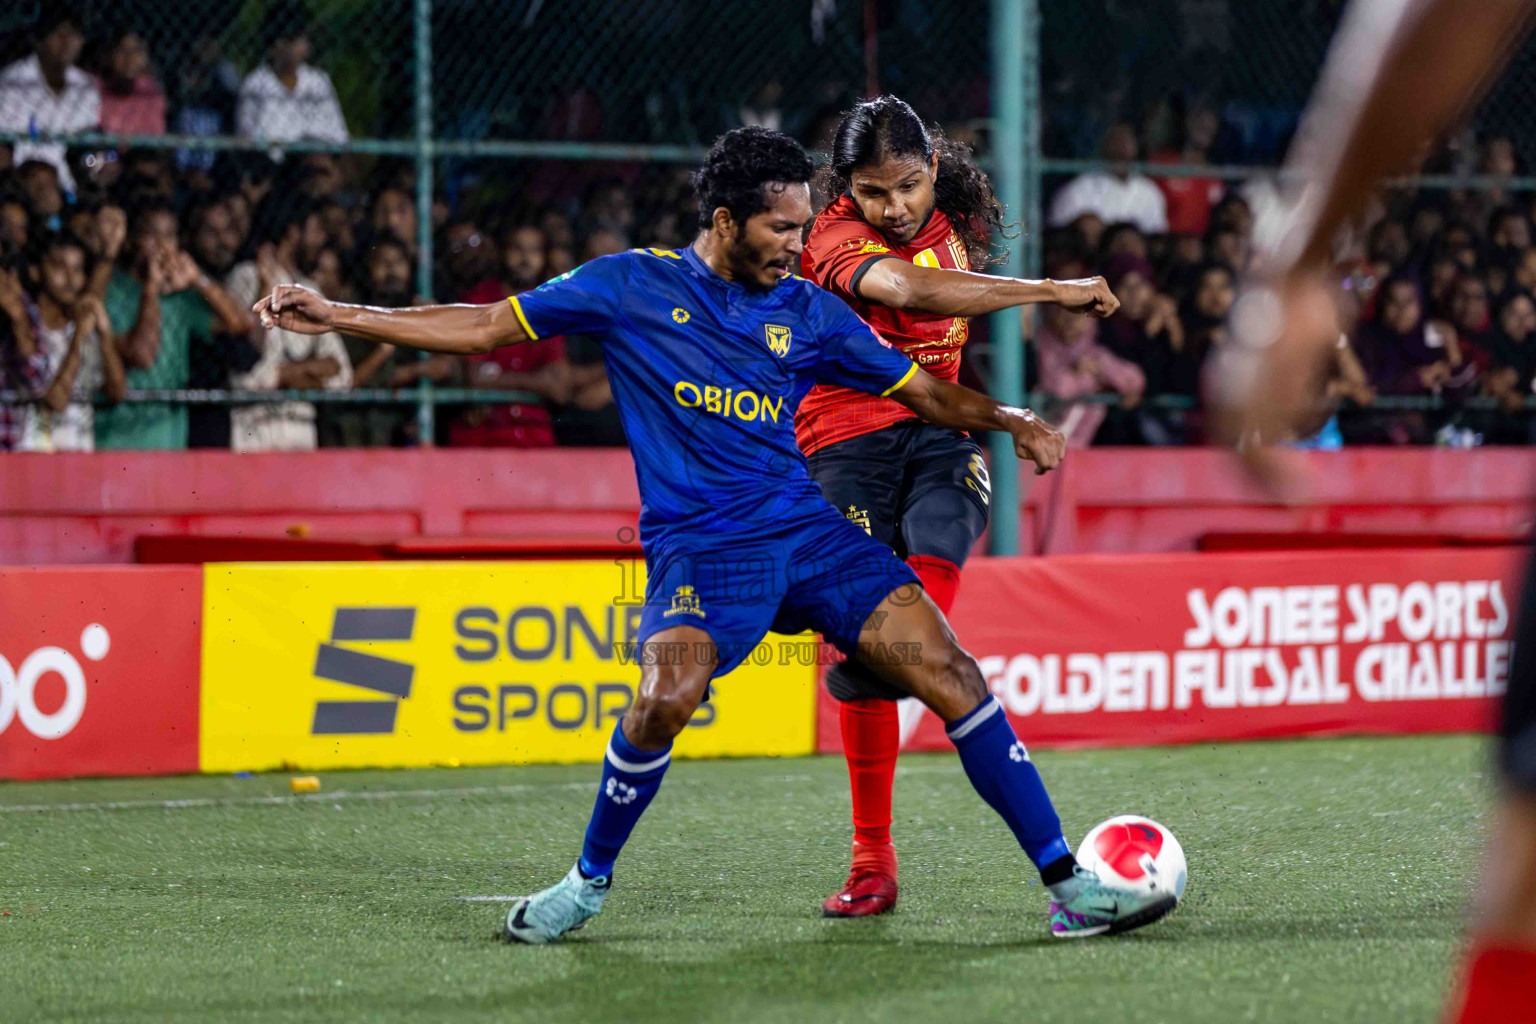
(841, 249)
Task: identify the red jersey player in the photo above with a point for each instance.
(911, 213)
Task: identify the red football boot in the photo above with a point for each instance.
(871, 885)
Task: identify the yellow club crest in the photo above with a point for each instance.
(778, 339)
(927, 258)
(680, 315)
(685, 602)
(859, 517)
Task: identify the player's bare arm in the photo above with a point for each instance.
(902, 285)
(951, 405)
(458, 330)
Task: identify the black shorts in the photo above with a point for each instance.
(1517, 719)
(919, 489)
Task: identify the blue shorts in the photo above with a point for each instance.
(815, 570)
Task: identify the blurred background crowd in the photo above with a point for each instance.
(132, 268)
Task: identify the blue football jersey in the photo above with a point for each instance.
(707, 375)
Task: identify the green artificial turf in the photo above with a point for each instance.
(1329, 881)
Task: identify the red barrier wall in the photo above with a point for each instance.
(89, 508)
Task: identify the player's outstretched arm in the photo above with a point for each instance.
(897, 284)
(459, 330)
(951, 405)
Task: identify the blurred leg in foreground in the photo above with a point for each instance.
(1399, 74)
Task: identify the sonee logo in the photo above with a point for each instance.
(620, 793)
(1017, 752)
(18, 688)
(371, 672)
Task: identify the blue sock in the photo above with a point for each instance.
(631, 777)
(999, 767)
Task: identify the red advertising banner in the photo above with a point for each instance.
(1120, 650)
(99, 671)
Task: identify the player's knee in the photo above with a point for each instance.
(655, 718)
(956, 674)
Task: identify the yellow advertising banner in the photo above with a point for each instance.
(318, 665)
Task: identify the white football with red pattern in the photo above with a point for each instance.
(1135, 853)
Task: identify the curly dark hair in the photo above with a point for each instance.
(58, 238)
(740, 164)
(884, 127)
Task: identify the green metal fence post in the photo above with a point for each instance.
(1008, 140)
(1033, 208)
(425, 410)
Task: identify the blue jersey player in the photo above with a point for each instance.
(709, 351)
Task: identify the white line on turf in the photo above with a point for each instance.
(383, 794)
(253, 801)
(486, 899)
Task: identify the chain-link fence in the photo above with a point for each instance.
(1252, 63)
(500, 107)
(670, 73)
(205, 55)
(410, 115)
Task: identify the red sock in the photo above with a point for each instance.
(872, 734)
(1498, 985)
(940, 576)
(871, 740)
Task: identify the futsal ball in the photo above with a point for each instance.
(1135, 853)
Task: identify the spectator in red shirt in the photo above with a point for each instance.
(535, 366)
(132, 102)
(1190, 200)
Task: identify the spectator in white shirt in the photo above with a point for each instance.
(80, 356)
(45, 93)
(286, 99)
(1115, 195)
(289, 359)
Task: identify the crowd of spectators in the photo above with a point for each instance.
(136, 269)
(1436, 290)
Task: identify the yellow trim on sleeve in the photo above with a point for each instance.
(517, 308)
(898, 385)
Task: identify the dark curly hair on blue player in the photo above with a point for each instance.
(885, 127)
(739, 166)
